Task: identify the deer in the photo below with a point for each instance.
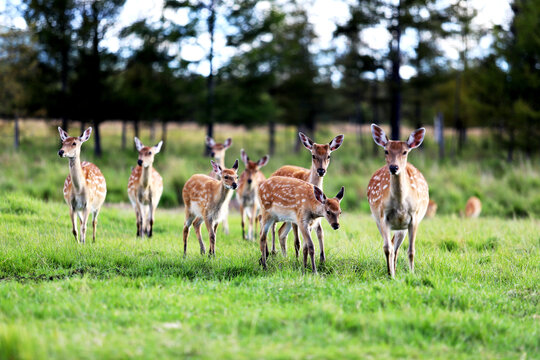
(398, 195)
(145, 187)
(473, 208)
(431, 209)
(320, 155)
(204, 198)
(85, 188)
(298, 202)
(248, 186)
(218, 153)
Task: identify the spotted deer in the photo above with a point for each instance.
(218, 153)
(320, 159)
(298, 202)
(398, 195)
(145, 187)
(248, 186)
(85, 187)
(204, 198)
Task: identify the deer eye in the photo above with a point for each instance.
(328, 157)
(328, 212)
(227, 177)
(313, 156)
(404, 153)
(74, 144)
(149, 153)
(386, 152)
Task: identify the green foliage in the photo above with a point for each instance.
(126, 297)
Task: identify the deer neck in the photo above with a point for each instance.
(145, 176)
(222, 194)
(221, 162)
(314, 178)
(75, 170)
(399, 186)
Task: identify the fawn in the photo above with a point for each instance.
(296, 201)
(473, 208)
(218, 153)
(204, 198)
(85, 187)
(398, 195)
(320, 155)
(145, 187)
(248, 186)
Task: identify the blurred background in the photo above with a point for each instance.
(260, 71)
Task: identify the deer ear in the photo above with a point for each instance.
(308, 143)
(319, 195)
(340, 194)
(157, 148)
(227, 143)
(216, 167)
(379, 136)
(235, 165)
(138, 143)
(210, 142)
(63, 135)
(336, 142)
(86, 134)
(263, 161)
(244, 156)
(416, 138)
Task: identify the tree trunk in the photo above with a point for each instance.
(16, 134)
(152, 131)
(83, 123)
(124, 126)
(271, 137)
(458, 122)
(375, 105)
(439, 133)
(395, 112)
(163, 134)
(136, 128)
(211, 21)
(511, 145)
(97, 139)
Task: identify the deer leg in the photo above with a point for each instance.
(282, 234)
(308, 248)
(296, 239)
(320, 236)
(226, 218)
(252, 225)
(413, 227)
(387, 247)
(187, 224)
(242, 218)
(266, 224)
(83, 216)
(197, 225)
(150, 219)
(73, 223)
(94, 224)
(397, 239)
(212, 237)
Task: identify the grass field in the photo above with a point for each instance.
(475, 293)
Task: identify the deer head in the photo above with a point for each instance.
(218, 150)
(396, 152)
(71, 146)
(252, 167)
(332, 209)
(229, 177)
(146, 153)
(320, 153)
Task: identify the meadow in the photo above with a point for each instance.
(475, 292)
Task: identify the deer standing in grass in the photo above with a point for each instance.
(145, 187)
(473, 208)
(218, 153)
(204, 198)
(296, 201)
(320, 155)
(85, 187)
(248, 186)
(398, 195)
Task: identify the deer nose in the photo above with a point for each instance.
(139, 162)
(61, 153)
(321, 171)
(335, 226)
(394, 169)
(249, 181)
(234, 185)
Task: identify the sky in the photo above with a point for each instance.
(323, 14)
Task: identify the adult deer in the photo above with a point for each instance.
(218, 153)
(248, 186)
(204, 198)
(145, 187)
(320, 155)
(398, 195)
(85, 187)
(296, 201)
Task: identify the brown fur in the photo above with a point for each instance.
(473, 208)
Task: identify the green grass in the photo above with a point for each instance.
(475, 293)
